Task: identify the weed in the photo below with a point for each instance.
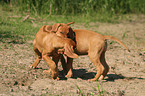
(80, 92)
(124, 35)
(98, 85)
(100, 90)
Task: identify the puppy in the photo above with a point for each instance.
(48, 44)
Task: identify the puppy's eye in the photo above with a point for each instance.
(61, 32)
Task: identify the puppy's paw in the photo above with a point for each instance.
(94, 79)
(101, 77)
(57, 78)
(31, 67)
(69, 75)
(47, 71)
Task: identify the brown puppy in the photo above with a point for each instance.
(91, 43)
(49, 44)
(95, 45)
(63, 30)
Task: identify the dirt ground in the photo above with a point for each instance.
(126, 76)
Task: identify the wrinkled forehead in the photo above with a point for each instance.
(63, 28)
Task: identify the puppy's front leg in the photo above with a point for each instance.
(52, 66)
(63, 63)
(69, 67)
(39, 56)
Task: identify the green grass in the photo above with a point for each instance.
(100, 89)
(13, 30)
(76, 10)
(124, 35)
(80, 91)
(99, 86)
(75, 7)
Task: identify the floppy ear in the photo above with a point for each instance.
(69, 51)
(70, 23)
(47, 28)
(71, 34)
(55, 27)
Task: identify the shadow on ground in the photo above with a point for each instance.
(85, 75)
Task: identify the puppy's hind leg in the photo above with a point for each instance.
(99, 66)
(103, 61)
(39, 56)
(94, 55)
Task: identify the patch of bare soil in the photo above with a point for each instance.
(126, 75)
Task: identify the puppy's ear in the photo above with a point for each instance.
(71, 34)
(55, 27)
(47, 28)
(70, 23)
(69, 51)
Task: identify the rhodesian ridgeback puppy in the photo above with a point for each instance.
(91, 43)
(48, 44)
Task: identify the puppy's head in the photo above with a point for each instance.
(61, 29)
(64, 30)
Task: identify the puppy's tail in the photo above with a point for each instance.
(113, 38)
